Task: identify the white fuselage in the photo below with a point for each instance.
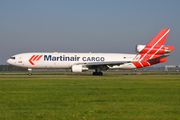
(66, 60)
(153, 52)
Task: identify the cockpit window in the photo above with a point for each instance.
(12, 58)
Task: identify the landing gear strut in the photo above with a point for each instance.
(30, 71)
(98, 72)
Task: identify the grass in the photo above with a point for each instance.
(106, 73)
(88, 98)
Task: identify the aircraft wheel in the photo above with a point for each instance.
(95, 73)
(30, 74)
(100, 74)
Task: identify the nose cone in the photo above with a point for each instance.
(9, 61)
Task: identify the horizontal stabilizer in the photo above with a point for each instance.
(157, 58)
(169, 47)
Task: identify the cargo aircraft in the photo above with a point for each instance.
(152, 53)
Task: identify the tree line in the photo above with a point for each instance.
(11, 68)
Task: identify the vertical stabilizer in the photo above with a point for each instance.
(159, 39)
(154, 49)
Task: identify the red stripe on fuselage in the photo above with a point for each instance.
(30, 60)
(35, 57)
(39, 57)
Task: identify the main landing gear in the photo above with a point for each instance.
(98, 72)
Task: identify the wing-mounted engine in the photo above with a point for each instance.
(78, 68)
(153, 50)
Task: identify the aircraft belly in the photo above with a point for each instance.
(51, 64)
(125, 66)
(57, 64)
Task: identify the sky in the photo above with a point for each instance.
(97, 26)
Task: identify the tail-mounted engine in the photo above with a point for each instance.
(156, 50)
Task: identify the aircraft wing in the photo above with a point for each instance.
(103, 65)
(106, 63)
(157, 58)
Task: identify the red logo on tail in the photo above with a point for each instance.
(154, 51)
(35, 58)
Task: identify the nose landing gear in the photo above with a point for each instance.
(30, 71)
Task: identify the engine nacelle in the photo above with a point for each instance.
(78, 68)
(139, 48)
(143, 49)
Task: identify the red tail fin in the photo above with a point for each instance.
(153, 50)
(159, 39)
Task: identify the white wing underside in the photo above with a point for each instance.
(104, 64)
